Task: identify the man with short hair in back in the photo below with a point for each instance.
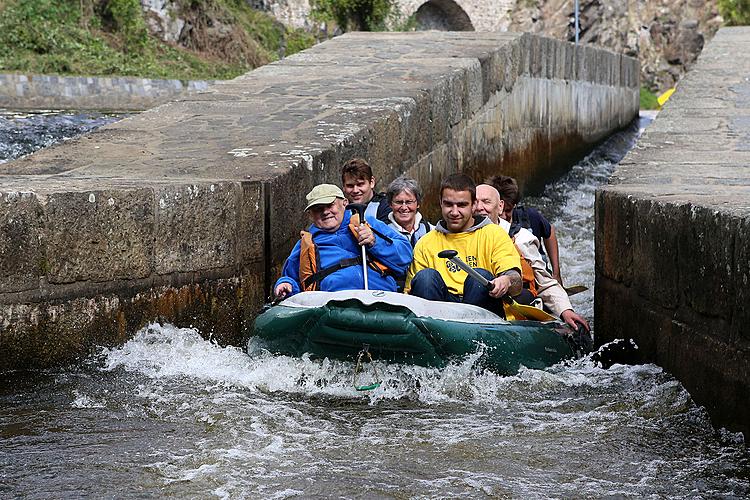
(359, 187)
(479, 243)
(530, 218)
(537, 281)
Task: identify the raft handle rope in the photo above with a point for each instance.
(365, 352)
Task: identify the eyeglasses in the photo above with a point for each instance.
(404, 202)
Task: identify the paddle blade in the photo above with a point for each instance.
(520, 311)
(572, 290)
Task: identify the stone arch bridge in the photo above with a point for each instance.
(458, 15)
(444, 15)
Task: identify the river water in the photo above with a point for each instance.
(170, 414)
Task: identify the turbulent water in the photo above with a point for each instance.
(170, 414)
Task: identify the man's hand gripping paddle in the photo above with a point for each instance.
(360, 209)
(528, 312)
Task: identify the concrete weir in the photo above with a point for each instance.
(673, 236)
(185, 213)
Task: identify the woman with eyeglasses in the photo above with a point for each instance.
(404, 197)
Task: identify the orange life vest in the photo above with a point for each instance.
(527, 273)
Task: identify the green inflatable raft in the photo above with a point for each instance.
(404, 329)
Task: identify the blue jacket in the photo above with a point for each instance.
(333, 247)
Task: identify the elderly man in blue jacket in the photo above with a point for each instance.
(328, 256)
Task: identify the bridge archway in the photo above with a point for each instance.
(442, 15)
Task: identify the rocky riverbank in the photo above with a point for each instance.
(666, 35)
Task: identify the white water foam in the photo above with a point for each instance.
(85, 401)
(163, 352)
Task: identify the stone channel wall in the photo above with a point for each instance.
(673, 236)
(185, 213)
(19, 91)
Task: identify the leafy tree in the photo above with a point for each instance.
(127, 17)
(356, 15)
(735, 12)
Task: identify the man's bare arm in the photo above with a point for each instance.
(515, 285)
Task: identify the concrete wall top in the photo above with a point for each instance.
(697, 151)
(283, 116)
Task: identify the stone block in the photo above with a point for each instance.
(615, 312)
(99, 235)
(740, 312)
(634, 73)
(22, 256)
(456, 88)
(418, 129)
(441, 102)
(558, 64)
(251, 225)
(383, 159)
(286, 214)
(571, 58)
(488, 66)
(705, 256)
(602, 68)
(536, 57)
(614, 216)
(580, 60)
(593, 70)
(551, 47)
(524, 47)
(196, 227)
(617, 70)
(512, 67)
(656, 229)
(474, 92)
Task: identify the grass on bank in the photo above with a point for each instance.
(735, 12)
(110, 37)
(649, 100)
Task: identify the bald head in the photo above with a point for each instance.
(489, 203)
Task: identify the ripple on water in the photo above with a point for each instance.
(574, 429)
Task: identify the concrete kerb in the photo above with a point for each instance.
(19, 91)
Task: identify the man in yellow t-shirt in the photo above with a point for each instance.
(480, 243)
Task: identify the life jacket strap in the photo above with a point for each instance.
(318, 276)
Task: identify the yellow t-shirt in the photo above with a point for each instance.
(488, 247)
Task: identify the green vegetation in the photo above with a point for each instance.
(735, 12)
(356, 15)
(648, 99)
(110, 37)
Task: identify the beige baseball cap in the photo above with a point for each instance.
(323, 194)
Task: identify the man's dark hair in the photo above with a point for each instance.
(357, 168)
(459, 182)
(507, 187)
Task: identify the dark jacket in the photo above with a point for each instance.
(378, 207)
